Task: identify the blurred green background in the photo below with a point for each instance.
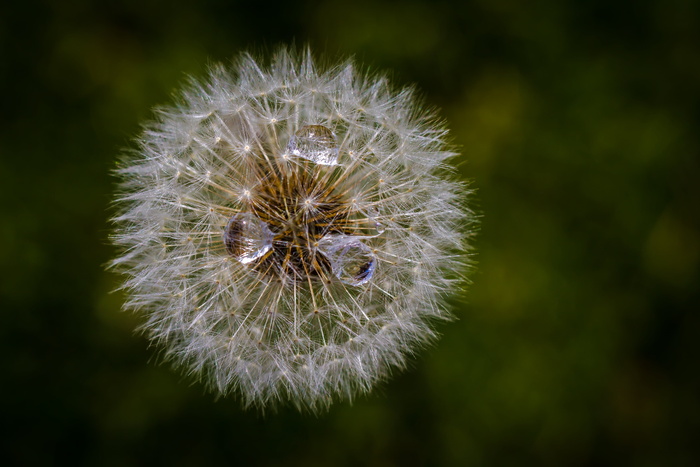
(577, 344)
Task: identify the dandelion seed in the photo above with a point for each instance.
(289, 233)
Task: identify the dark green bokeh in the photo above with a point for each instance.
(576, 344)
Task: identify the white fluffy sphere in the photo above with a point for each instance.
(289, 233)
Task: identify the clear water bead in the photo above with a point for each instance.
(315, 143)
(375, 228)
(379, 228)
(247, 238)
(352, 261)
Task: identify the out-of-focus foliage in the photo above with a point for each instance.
(576, 343)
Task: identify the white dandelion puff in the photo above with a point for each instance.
(289, 233)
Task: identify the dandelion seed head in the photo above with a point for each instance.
(288, 232)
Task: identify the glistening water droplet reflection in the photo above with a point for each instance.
(247, 238)
(315, 143)
(375, 228)
(352, 261)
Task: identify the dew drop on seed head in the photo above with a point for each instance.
(374, 227)
(352, 261)
(379, 228)
(368, 225)
(315, 143)
(247, 238)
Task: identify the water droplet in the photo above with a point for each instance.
(315, 143)
(247, 238)
(352, 261)
(374, 227)
(367, 224)
(379, 227)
